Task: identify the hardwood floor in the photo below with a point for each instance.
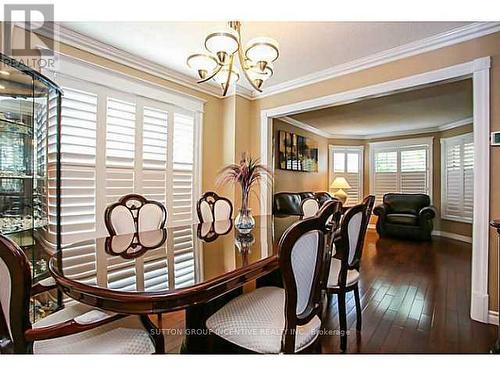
(415, 299)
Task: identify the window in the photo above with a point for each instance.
(347, 162)
(114, 144)
(457, 178)
(401, 166)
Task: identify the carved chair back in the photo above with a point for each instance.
(15, 290)
(134, 213)
(309, 207)
(212, 207)
(301, 257)
(349, 245)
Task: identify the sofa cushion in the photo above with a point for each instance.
(287, 203)
(406, 203)
(403, 219)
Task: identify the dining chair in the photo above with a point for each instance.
(134, 213)
(211, 208)
(74, 329)
(309, 207)
(280, 320)
(346, 251)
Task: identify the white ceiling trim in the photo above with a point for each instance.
(304, 126)
(454, 36)
(74, 39)
(326, 134)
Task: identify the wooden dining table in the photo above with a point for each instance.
(193, 267)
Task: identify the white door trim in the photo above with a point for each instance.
(479, 70)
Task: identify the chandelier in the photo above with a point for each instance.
(218, 63)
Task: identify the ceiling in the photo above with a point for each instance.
(423, 108)
(305, 47)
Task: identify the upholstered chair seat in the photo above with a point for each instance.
(123, 336)
(255, 321)
(74, 329)
(404, 219)
(282, 320)
(333, 275)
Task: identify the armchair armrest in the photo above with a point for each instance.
(428, 213)
(84, 322)
(43, 286)
(381, 210)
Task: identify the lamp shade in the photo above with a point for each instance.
(340, 183)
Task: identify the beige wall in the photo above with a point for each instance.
(486, 46)
(301, 181)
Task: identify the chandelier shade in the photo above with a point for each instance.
(224, 47)
(222, 43)
(202, 63)
(262, 50)
(223, 76)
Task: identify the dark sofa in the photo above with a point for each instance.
(405, 216)
(286, 203)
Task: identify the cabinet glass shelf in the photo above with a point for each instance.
(29, 153)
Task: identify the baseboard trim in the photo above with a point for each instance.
(493, 317)
(453, 236)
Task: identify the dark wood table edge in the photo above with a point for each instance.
(160, 302)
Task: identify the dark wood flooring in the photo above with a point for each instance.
(415, 299)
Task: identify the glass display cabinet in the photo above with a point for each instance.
(30, 167)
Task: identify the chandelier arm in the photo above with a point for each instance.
(217, 70)
(243, 64)
(226, 86)
(242, 61)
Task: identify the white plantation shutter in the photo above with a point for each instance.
(414, 171)
(116, 143)
(120, 149)
(457, 183)
(347, 162)
(154, 154)
(183, 169)
(386, 174)
(183, 256)
(400, 167)
(78, 163)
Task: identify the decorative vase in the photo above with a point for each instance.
(244, 221)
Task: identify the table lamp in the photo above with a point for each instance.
(340, 183)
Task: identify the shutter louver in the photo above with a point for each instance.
(385, 176)
(458, 178)
(154, 154)
(348, 163)
(183, 169)
(183, 256)
(120, 149)
(78, 162)
(414, 171)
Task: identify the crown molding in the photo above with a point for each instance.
(448, 38)
(329, 135)
(74, 39)
(304, 126)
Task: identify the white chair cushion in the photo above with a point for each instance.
(333, 276)
(123, 336)
(255, 321)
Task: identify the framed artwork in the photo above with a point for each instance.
(297, 153)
